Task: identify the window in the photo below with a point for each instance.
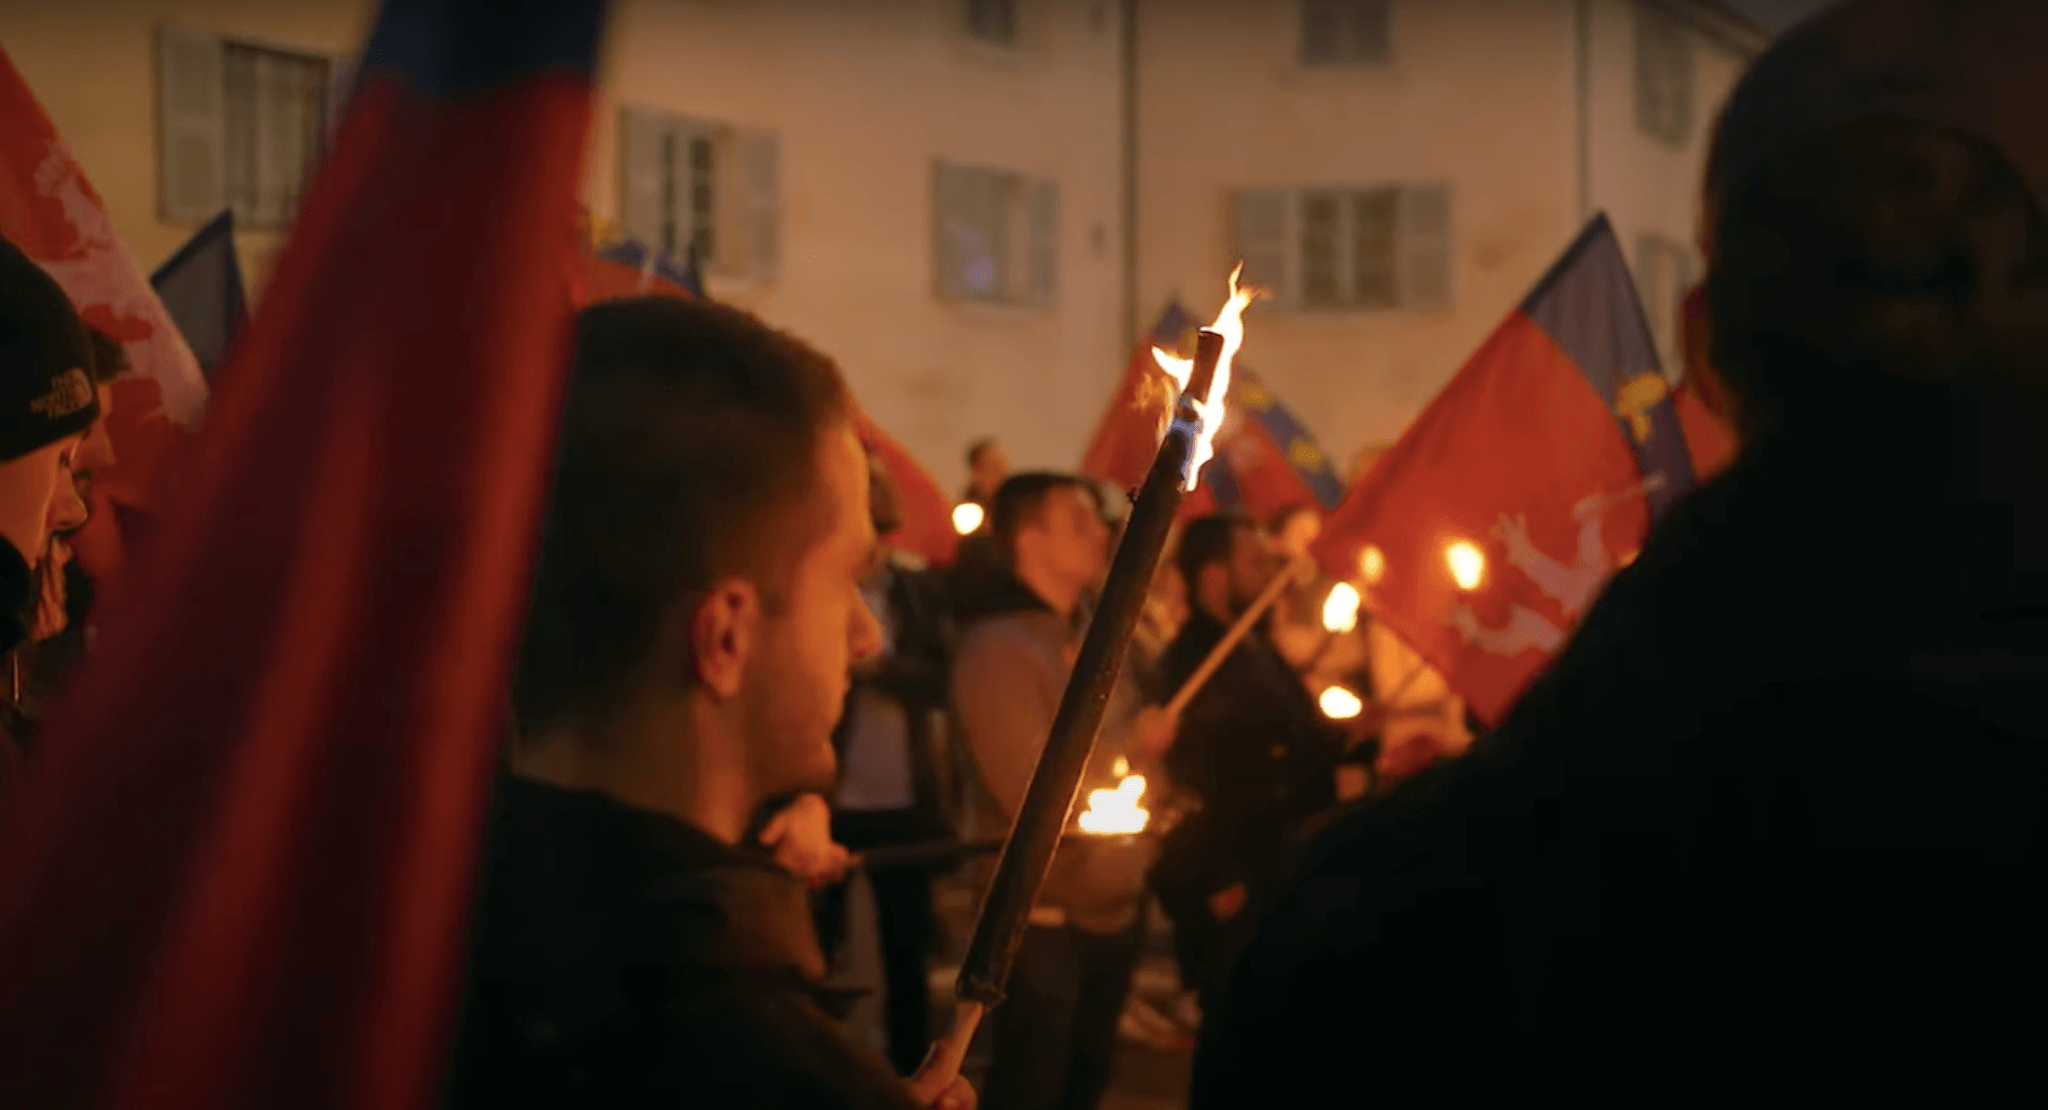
(688, 185)
(995, 235)
(243, 126)
(1347, 248)
(1665, 273)
(1663, 76)
(992, 21)
(1344, 32)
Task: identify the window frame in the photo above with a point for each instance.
(1345, 14)
(971, 29)
(1666, 76)
(1022, 228)
(1271, 233)
(728, 212)
(189, 133)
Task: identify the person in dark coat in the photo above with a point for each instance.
(1772, 822)
(694, 617)
(1250, 747)
(892, 781)
(47, 404)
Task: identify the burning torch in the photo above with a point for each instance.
(1204, 381)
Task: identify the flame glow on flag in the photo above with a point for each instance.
(1467, 563)
(1372, 564)
(1230, 325)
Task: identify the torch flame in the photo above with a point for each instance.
(967, 518)
(1340, 609)
(1230, 325)
(1339, 704)
(1467, 563)
(1372, 564)
(1116, 812)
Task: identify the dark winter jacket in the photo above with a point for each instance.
(1775, 814)
(620, 958)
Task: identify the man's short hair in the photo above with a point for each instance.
(977, 449)
(688, 455)
(1845, 270)
(1020, 500)
(109, 357)
(1207, 541)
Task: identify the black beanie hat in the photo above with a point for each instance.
(46, 386)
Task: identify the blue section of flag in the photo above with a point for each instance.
(1174, 326)
(1587, 305)
(1285, 431)
(201, 290)
(639, 256)
(1223, 486)
(452, 47)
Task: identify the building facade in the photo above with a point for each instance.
(974, 205)
(1401, 172)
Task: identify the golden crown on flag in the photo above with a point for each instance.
(1253, 395)
(596, 231)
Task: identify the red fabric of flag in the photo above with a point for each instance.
(1127, 437)
(1264, 461)
(927, 528)
(52, 212)
(1521, 460)
(240, 867)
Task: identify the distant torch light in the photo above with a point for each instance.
(1340, 704)
(1340, 609)
(967, 518)
(1116, 812)
(1372, 564)
(1467, 563)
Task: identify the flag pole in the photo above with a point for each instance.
(1027, 854)
(1237, 631)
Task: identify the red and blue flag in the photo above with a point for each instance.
(1265, 460)
(1486, 532)
(201, 287)
(240, 870)
(636, 255)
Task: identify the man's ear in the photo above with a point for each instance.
(724, 632)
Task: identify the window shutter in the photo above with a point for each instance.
(1262, 221)
(761, 164)
(1664, 65)
(1045, 242)
(341, 83)
(642, 166)
(948, 209)
(1423, 267)
(190, 102)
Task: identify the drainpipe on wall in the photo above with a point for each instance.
(1582, 57)
(1129, 27)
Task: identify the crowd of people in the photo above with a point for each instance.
(57, 372)
(1772, 811)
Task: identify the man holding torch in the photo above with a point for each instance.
(1055, 1034)
(1251, 746)
(695, 615)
